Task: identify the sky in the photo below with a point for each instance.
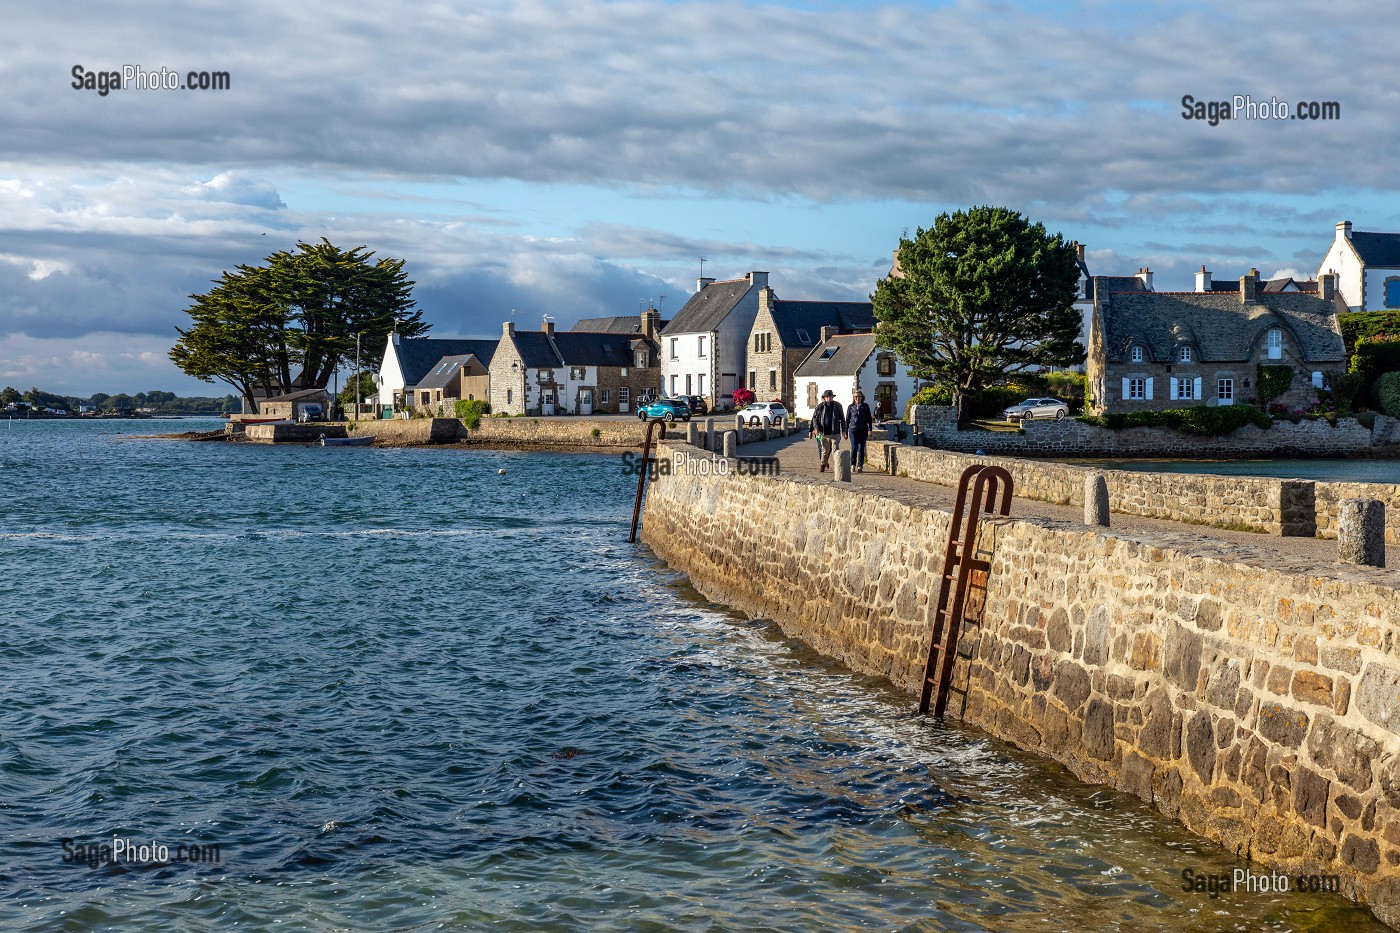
(578, 159)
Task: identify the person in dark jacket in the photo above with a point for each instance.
(858, 425)
(828, 424)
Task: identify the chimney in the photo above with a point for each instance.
(548, 325)
(1145, 275)
(1203, 280)
(508, 329)
(1247, 289)
(758, 279)
(829, 330)
(1254, 274)
(1327, 286)
(395, 337)
(766, 298)
(895, 271)
(1079, 251)
(701, 283)
(651, 323)
(1344, 230)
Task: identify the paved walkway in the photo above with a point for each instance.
(798, 456)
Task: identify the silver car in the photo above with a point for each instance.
(1037, 408)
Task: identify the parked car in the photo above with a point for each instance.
(1033, 408)
(665, 409)
(764, 413)
(311, 413)
(697, 404)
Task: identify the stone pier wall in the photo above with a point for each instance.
(1257, 705)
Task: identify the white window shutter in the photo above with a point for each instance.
(1197, 393)
(1126, 389)
(1175, 390)
(1149, 387)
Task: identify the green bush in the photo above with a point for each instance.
(1211, 422)
(470, 411)
(1273, 382)
(928, 395)
(1388, 393)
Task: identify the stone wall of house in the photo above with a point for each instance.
(1258, 706)
(937, 426)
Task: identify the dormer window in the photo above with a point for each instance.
(1184, 355)
(1275, 343)
(1137, 354)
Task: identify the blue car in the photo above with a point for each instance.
(665, 409)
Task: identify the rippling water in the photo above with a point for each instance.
(399, 691)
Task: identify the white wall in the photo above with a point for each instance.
(1375, 287)
(1341, 259)
(390, 374)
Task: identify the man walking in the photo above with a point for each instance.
(828, 423)
(858, 425)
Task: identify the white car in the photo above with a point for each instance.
(1033, 408)
(761, 413)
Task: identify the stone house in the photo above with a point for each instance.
(1367, 266)
(703, 348)
(549, 372)
(462, 376)
(784, 333)
(408, 360)
(846, 362)
(291, 405)
(1158, 350)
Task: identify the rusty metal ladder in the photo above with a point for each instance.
(962, 570)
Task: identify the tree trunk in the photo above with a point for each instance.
(962, 402)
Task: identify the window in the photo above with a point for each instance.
(753, 380)
(508, 396)
(673, 385)
(622, 372)
(885, 365)
(1275, 344)
(1317, 380)
(1392, 291)
(1185, 388)
(578, 373)
(802, 335)
(1184, 354)
(1137, 354)
(702, 345)
(772, 378)
(605, 397)
(758, 343)
(687, 384)
(811, 395)
(700, 384)
(674, 341)
(1225, 390)
(1137, 389)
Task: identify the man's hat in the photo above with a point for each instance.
(828, 394)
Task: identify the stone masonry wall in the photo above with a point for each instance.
(1074, 438)
(1258, 705)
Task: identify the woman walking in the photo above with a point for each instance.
(858, 425)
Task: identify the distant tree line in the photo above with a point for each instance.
(164, 403)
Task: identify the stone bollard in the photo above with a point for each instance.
(710, 434)
(731, 441)
(1361, 532)
(692, 434)
(843, 466)
(1096, 500)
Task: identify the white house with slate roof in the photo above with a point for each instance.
(846, 362)
(1367, 266)
(1158, 350)
(407, 360)
(703, 348)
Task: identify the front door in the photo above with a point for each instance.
(585, 401)
(547, 401)
(884, 401)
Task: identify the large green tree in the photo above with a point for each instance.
(290, 323)
(981, 294)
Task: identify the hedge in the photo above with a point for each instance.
(470, 411)
(1388, 393)
(1211, 422)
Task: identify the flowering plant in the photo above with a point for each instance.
(743, 398)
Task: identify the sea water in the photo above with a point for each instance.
(348, 688)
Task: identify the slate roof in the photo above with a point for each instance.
(707, 308)
(851, 352)
(1219, 327)
(445, 371)
(626, 324)
(811, 316)
(419, 356)
(572, 348)
(1272, 286)
(1377, 249)
(1114, 283)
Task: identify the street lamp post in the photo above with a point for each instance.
(357, 375)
